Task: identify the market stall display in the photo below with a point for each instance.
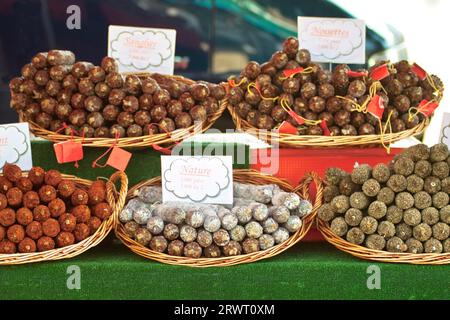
(45, 215)
(296, 102)
(98, 106)
(398, 212)
(268, 216)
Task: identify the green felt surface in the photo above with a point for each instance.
(308, 271)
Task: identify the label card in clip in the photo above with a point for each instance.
(198, 179)
(142, 49)
(333, 40)
(119, 159)
(68, 151)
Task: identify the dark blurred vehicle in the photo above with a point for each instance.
(215, 38)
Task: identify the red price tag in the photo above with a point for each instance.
(163, 150)
(380, 72)
(420, 73)
(356, 74)
(296, 117)
(119, 159)
(326, 131)
(290, 72)
(376, 106)
(68, 151)
(427, 107)
(287, 127)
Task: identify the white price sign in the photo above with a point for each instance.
(142, 49)
(197, 179)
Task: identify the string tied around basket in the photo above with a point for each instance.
(258, 89)
(157, 147)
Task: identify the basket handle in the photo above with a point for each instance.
(303, 187)
(111, 193)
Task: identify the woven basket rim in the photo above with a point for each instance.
(378, 255)
(298, 141)
(131, 142)
(116, 202)
(240, 175)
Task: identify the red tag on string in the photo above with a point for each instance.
(419, 71)
(380, 72)
(166, 151)
(296, 117)
(427, 107)
(287, 127)
(68, 151)
(326, 131)
(355, 74)
(290, 72)
(376, 106)
(119, 159)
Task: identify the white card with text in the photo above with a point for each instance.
(142, 49)
(445, 129)
(15, 145)
(333, 40)
(197, 179)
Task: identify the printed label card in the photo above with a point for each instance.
(15, 145)
(197, 179)
(142, 49)
(333, 40)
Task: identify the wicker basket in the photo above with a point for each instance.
(296, 141)
(247, 176)
(115, 199)
(377, 255)
(142, 141)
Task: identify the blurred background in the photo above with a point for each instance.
(215, 38)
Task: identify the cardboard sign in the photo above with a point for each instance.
(68, 151)
(15, 145)
(198, 179)
(142, 49)
(333, 40)
(445, 129)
